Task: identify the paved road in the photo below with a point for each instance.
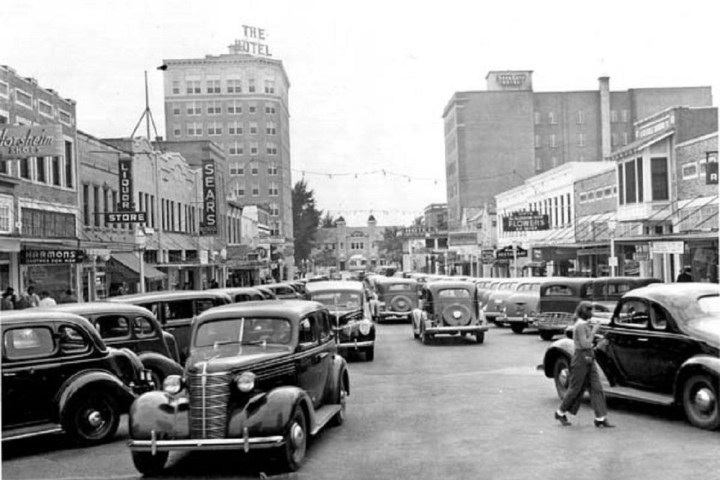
(452, 410)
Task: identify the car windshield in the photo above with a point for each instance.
(245, 331)
(529, 287)
(453, 293)
(338, 300)
(710, 304)
(399, 287)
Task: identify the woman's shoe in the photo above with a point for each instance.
(603, 423)
(563, 419)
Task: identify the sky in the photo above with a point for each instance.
(369, 79)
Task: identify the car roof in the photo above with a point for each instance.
(32, 314)
(337, 285)
(280, 284)
(292, 309)
(167, 295)
(659, 291)
(448, 284)
(395, 280)
(235, 290)
(97, 307)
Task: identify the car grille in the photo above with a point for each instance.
(209, 396)
(555, 319)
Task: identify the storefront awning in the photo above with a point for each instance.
(131, 262)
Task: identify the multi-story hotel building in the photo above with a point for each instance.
(495, 139)
(240, 102)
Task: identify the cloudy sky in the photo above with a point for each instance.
(369, 79)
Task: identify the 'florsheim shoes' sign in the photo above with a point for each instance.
(23, 141)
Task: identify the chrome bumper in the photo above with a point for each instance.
(245, 443)
(356, 344)
(468, 328)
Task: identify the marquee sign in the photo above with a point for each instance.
(126, 206)
(525, 222)
(209, 225)
(23, 141)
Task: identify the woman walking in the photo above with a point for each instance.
(583, 371)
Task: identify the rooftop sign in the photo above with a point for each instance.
(252, 43)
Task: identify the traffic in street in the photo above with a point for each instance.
(452, 408)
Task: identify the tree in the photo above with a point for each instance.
(391, 246)
(328, 221)
(306, 219)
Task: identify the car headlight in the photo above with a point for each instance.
(365, 327)
(245, 382)
(172, 384)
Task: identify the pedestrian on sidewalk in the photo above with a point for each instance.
(46, 300)
(583, 371)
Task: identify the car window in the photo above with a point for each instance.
(399, 287)
(242, 297)
(33, 342)
(658, 318)
(343, 300)
(154, 308)
(615, 290)
(586, 290)
(307, 332)
(633, 314)
(245, 331)
(453, 293)
(202, 304)
(558, 291)
(72, 341)
(179, 309)
(113, 326)
(528, 287)
(143, 327)
(709, 304)
(323, 323)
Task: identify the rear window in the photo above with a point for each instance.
(32, 342)
(709, 304)
(453, 293)
(615, 290)
(558, 291)
(529, 287)
(399, 287)
(113, 326)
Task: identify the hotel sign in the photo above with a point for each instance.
(525, 221)
(126, 206)
(209, 225)
(23, 141)
(253, 43)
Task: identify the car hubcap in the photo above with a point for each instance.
(704, 400)
(297, 439)
(95, 419)
(563, 377)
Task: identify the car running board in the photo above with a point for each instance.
(33, 431)
(323, 415)
(634, 393)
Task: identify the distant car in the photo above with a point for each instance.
(58, 375)
(284, 290)
(122, 325)
(260, 375)
(176, 309)
(521, 307)
(448, 308)
(351, 318)
(494, 306)
(268, 293)
(395, 298)
(240, 294)
(661, 346)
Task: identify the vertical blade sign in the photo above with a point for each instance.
(209, 225)
(126, 203)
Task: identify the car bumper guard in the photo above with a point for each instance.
(356, 344)
(245, 443)
(466, 328)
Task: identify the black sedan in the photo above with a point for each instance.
(662, 346)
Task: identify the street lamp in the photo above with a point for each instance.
(140, 239)
(612, 261)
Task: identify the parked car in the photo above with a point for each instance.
(395, 298)
(176, 310)
(122, 325)
(268, 293)
(241, 294)
(351, 317)
(448, 308)
(284, 290)
(260, 375)
(661, 346)
(58, 375)
(560, 296)
(522, 306)
(495, 304)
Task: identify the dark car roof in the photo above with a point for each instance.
(381, 280)
(167, 295)
(291, 309)
(677, 291)
(448, 284)
(335, 286)
(98, 307)
(280, 284)
(32, 314)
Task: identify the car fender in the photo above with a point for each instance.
(161, 363)
(339, 370)
(161, 412)
(268, 414)
(100, 379)
(562, 347)
(698, 364)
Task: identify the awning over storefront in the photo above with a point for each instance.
(129, 261)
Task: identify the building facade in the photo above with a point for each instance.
(495, 139)
(240, 102)
(38, 194)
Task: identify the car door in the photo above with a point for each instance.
(28, 365)
(177, 318)
(314, 359)
(628, 342)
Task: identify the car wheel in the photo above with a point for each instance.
(296, 438)
(157, 378)
(149, 464)
(480, 337)
(700, 401)
(339, 417)
(92, 418)
(561, 375)
(547, 335)
(517, 327)
(369, 354)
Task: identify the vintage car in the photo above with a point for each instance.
(240, 294)
(521, 307)
(351, 318)
(122, 325)
(268, 293)
(176, 310)
(494, 305)
(448, 308)
(58, 375)
(261, 375)
(560, 296)
(395, 298)
(284, 291)
(662, 346)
